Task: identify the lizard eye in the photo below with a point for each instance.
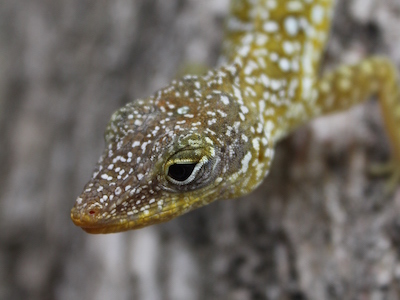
(189, 169)
(184, 172)
(181, 172)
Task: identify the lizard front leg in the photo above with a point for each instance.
(351, 84)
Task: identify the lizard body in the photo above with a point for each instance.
(212, 137)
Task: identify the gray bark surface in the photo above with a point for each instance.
(318, 228)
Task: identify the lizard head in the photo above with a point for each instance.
(175, 151)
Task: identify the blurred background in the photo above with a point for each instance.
(318, 228)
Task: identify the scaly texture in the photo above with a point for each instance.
(205, 138)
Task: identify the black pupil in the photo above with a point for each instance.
(180, 172)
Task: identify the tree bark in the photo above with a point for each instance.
(318, 228)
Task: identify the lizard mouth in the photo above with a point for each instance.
(103, 227)
(91, 223)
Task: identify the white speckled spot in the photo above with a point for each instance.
(225, 99)
(271, 26)
(244, 109)
(317, 14)
(284, 64)
(245, 162)
(118, 191)
(291, 26)
(256, 144)
(294, 6)
(288, 47)
(183, 110)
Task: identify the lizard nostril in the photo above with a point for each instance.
(92, 211)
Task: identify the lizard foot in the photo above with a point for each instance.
(391, 169)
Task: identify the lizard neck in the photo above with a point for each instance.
(276, 51)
